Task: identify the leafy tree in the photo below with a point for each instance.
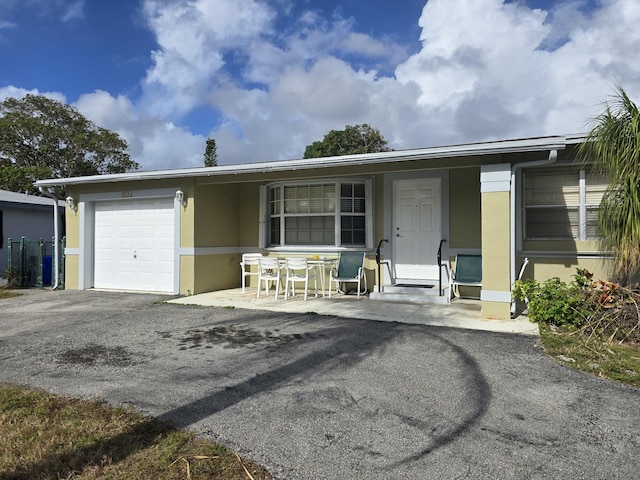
(43, 138)
(352, 140)
(211, 153)
(613, 144)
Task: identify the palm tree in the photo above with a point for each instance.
(613, 145)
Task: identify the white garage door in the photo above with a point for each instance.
(134, 245)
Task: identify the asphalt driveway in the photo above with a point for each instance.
(318, 397)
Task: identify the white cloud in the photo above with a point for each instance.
(73, 11)
(192, 37)
(485, 70)
(64, 10)
(363, 44)
(17, 92)
(154, 142)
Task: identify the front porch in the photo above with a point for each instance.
(459, 314)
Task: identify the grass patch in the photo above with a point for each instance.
(49, 436)
(592, 354)
(8, 293)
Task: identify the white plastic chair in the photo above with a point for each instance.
(249, 259)
(299, 271)
(268, 271)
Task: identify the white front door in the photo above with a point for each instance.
(134, 245)
(416, 229)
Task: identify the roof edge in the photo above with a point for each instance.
(473, 149)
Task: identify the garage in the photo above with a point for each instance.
(134, 245)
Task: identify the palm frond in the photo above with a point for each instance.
(613, 148)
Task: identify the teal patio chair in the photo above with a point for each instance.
(467, 272)
(349, 269)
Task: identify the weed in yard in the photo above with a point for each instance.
(49, 436)
(605, 359)
(8, 293)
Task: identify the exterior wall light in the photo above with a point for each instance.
(71, 203)
(181, 198)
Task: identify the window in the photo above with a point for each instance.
(330, 213)
(562, 203)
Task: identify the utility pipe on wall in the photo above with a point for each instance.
(56, 236)
(553, 155)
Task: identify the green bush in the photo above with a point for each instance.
(595, 308)
(12, 276)
(555, 302)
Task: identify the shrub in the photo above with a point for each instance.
(595, 307)
(554, 301)
(12, 276)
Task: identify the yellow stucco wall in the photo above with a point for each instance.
(565, 268)
(496, 310)
(187, 269)
(248, 205)
(187, 224)
(378, 208)
(72, 228)
(495, 241)
(495, 252)
(72, 238)
(216, 215)
(226, 218)
(216, 272)
(464, 208)
(71, 270)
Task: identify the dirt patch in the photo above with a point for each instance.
(235, 337)
(94, 354)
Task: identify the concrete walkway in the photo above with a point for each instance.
(458, 314)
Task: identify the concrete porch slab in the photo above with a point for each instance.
(458, 314)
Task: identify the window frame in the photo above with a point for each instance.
(582, 207)
(266, 215)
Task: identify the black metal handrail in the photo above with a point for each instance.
(378, 256)
(440, 267)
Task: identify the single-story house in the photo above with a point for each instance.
(27, 216)
(184, 231)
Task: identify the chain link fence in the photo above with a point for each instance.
(30, 262)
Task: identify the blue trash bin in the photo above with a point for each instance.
(46, 269)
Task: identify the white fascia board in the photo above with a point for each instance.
(433, 153)
(576, 138)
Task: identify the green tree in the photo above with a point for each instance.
(211, 153)
(350, 141)
(613, 145)
(44, 138)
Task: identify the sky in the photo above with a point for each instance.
(265, 78)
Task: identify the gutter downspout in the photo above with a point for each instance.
(553, 156)
(56, 236)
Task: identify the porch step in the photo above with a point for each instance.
(421, 294)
